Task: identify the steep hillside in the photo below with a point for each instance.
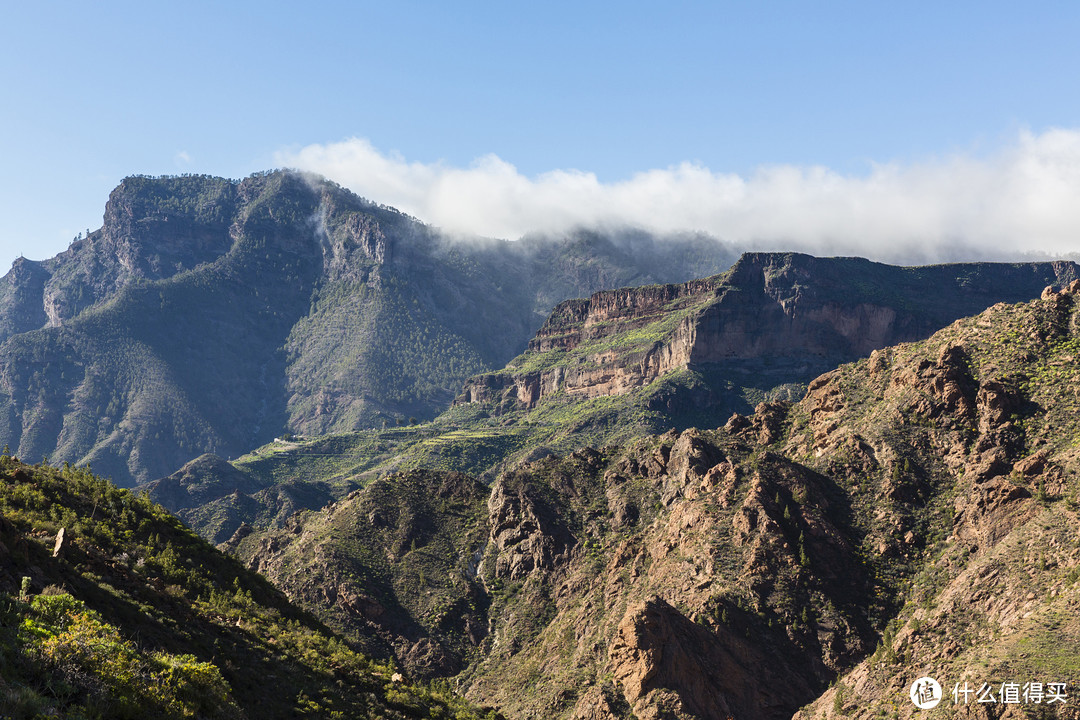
(210, 315)
(914, 514)
(618, 365)
(112, 609)
(393, 565)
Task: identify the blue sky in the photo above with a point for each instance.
(772, 108)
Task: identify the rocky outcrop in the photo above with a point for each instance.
(598, 368)
(814, 312)
(527, 533)
(659, 652)
(611, 312)
(354, 245)
(21, 290)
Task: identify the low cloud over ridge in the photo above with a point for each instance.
(1023, 198)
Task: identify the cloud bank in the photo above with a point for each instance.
(1022, 198)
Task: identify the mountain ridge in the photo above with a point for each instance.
(212, 315)
(775, 305)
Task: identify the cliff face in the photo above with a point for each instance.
(581, 349)
(21, 292)
(152, 229)
(611, 312)
(815, 312)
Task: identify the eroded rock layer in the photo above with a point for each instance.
(812, 313)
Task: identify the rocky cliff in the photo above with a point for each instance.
(813, 313)
(616, 341)
(914, 514)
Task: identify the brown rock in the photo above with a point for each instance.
(736, 423)
(600, 703)
(690, 459)
(427, 658)
(990, 463)
(1033, 464)
(525, 530)
(671, 667)
(997, 401)
(990, 511)
(878, 363)
(768, 421)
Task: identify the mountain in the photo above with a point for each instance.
(785, 490)
(617, 365)
(210, 315)
(113, 609)
(913, 514)
(799, 314)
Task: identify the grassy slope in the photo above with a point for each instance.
(308, 473)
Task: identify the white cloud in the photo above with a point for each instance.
(1025, 197)
(182, 157)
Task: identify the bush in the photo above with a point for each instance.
(91, 659)
(189, 687)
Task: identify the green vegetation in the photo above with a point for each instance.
(403, 544)
(307, 474)
(91, 670)
(138, 617)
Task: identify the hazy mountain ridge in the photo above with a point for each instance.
(212, 315)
